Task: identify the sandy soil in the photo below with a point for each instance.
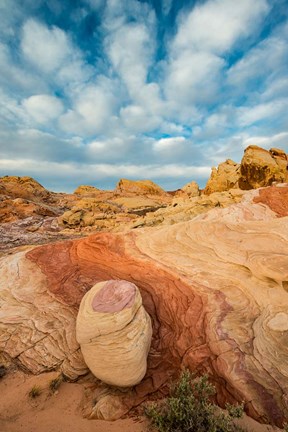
(61, 411)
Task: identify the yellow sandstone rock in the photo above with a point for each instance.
(114, 332)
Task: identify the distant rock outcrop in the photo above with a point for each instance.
(260, 167)
(191, 189)
(86, 190)
(223, 178)
(23, 187)
(114, 332)
(139, 187)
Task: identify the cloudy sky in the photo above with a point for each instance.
(95, 90)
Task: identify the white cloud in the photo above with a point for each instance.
(43, 108)
(268, 57)
(46, 48)
(136, 119)
(195, 64)
(16, 77)
(92, 110)
(215, 125)
(248, 115)
(217, 24)
(11, 112)
(169, 145)
(130, 50)
(279, 140)
(108, 149)
(193, 77)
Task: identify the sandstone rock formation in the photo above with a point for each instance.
(114, 332)
(23, 187)
(191, 189)
(86, 190)
(223, 178)
(260, 167)
(138, 187)
(20, 208)
(215, 288)
(36, 330)
(184, 209)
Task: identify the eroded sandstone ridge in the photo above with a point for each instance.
(258, 168)
(114, 332)
(215, 288)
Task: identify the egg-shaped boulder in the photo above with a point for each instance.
(114, 332)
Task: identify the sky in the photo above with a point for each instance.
(92, 91)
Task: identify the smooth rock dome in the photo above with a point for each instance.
(114, 332)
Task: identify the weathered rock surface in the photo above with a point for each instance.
(275, 198)
(36, 330)
(223, 178)
(191, 189)
(86, 190)
(138, 187)
(185, 208)
(23, 187)
(215, 288)
(260, 167)
(114, 332)
(20, 208)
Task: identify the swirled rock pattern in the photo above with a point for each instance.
(36, 330)
(215, 287)
(114, 332)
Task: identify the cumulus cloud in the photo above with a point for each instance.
(91, 112)
(267, 57)
(195, 64)
(137, 119)
(170, 145)
(45, 47)
(277, 140)
(193, 77)
(126, 90)
(43, 108)
(216, 25)
(270, 110)
(129, 49)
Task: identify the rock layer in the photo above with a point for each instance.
(223, 178)
(114, 332)
(215, 288)
(138, 187)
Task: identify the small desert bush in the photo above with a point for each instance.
(55, 383)
(189, 409)
(35, 392)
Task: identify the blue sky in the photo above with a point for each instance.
(94, 90)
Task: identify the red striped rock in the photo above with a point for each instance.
(215, 288)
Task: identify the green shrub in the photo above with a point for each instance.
(188, 409)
